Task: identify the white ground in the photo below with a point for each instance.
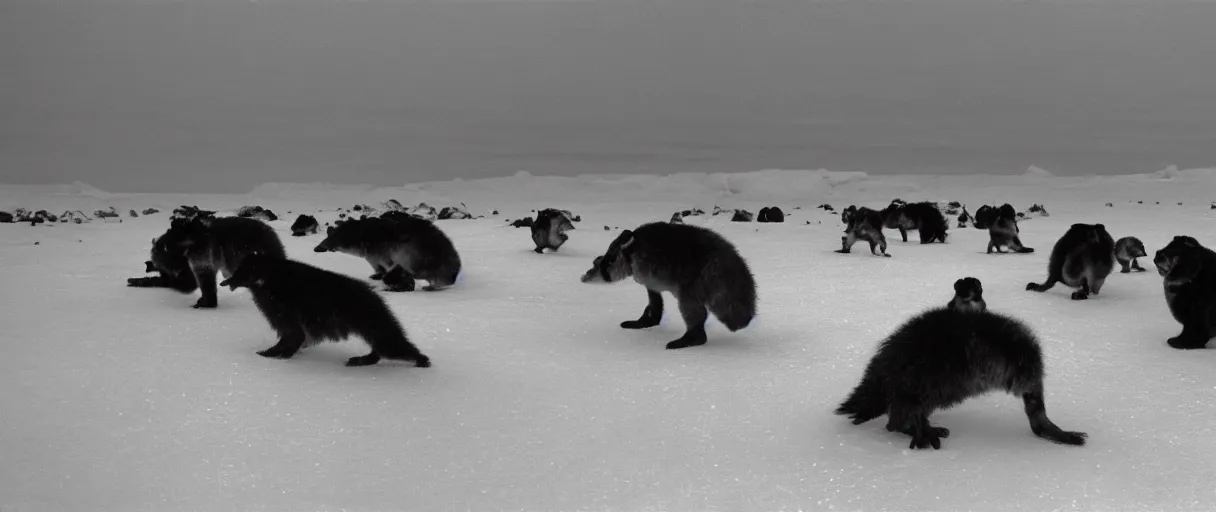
(125, 399)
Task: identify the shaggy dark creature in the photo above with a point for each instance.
(1082, 259)
(701, 268)
(942, 357)
(1189, 272)
(306, 305)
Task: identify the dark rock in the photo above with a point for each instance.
(742, 216)
(189, 213)
(826, 207)
(606, 228)
(256, 212)
(453, 212)
(1110, 205)
(7, 218)
(771, 214)
(304, 225)
(495, 212)
(525, 222)
(106, 214)
(132, 213)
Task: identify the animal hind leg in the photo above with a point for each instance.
(881, 245)
(695, 315)
(1083, 293)
(1136, 266)
(1192, 337)
(910, 417)
(1036, 412)
(903, 233)
(1126, 267)
(846, 243)
(651, 316)
(205, 277)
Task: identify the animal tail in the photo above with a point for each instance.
(735, 302)
(866, 402)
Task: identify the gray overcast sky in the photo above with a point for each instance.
(219, 95)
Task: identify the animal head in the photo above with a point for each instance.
(1179, 259)
(343, 236)
(848, 214)
(1006, 211)
(251, 274)
(969, 287)
(614, 265)
(182, 237)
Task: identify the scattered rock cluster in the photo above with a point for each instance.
(257, 212)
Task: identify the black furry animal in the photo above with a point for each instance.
(1189, 272)
(985, 216)
(399, 251)
(305, 225)
(306, 305)
(1127, 249)
(702, 269)
(942, 357)
(220, 244)
(1082, 258)
(170, 263)
(1003, 232)
(923, 216)
(549, 229)
(770, 214)
(968, 295)
(863, 224)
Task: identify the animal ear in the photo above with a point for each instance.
(959, 285)
(626, 239)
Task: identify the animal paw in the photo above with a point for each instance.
(639, 324)
(927, 439)
(686, 341)
(1181, 343)
(1073, 438)
(202, 304)
(1079, 295)
(1034, 287)
(422, 362)
(366, 360)
(273, 353)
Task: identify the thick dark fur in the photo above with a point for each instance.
(549, 230)
(863, 224)
(1003, 231)
(1082, 259)
(702, 269)
(942, 357)
(220, 244)
(1189, 272)
(171, 265)
(1127, 249)
(968, 295)
(306, 305)
(399, 250)
(985, 216)
(923, 216)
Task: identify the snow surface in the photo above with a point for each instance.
(126, 399)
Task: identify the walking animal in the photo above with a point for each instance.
(306, 305)
(1082, 259)
(1189, 272)
(399, 250)
(942, 357)
(863, 224)
(701, 268)
(1003, 231)
(549, 230)
(220, 245)
(923, 216)
(1127, 249)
